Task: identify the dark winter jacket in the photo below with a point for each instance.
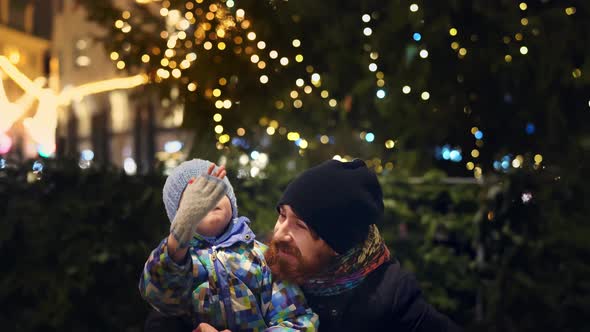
(389, 299)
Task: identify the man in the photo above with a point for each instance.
(326, 240)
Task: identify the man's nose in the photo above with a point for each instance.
(282, 233)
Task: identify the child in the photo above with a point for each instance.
(223, 280)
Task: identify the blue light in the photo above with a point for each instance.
(172, 146)
(380, 93)
(446, 154)
(478, 134)
(254, 155)
(455, 156)
(87, 155)
(370, 137)
(298, 142)
(505, 164)
(37, 167)
(497, 165)
(2, 163)
(530, 128)
(417, 36)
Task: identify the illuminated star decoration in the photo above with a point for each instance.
(41, 127)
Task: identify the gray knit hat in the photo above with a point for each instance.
(178, 180)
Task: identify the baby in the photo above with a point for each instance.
(210, 268)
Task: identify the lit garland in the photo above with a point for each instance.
(215, 27)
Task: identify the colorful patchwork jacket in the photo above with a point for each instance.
(226, 284)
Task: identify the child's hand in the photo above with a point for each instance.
(200, 196)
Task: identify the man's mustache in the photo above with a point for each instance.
(286, 248)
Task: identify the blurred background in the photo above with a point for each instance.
(475, 115)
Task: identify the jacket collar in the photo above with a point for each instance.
(237, 231)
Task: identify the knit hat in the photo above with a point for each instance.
(178, 180)
(338, 200)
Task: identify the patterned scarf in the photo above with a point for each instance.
(351, 268)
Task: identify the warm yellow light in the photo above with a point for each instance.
(470, 165)
(414, 7)
(219, 104)
(119, 24)
(508, 58)
(219, 129)
(453, 32)
(307, 89)
(523, 6)
(524, 21)
(303, 144)
(176, 73)
(406, 89)
(270, 131)
(221, 46)
(475, 153)
(261, 45)
(325, 139)
(254, 58)
(217, 117)
(538, 159)
(145, 58)
(524, 50)
(279, 104)
(297, 103)
(390, 144)
(114, 56)
(251, 35)
(263, 79)
(216, 92)
(207, 45)
(241, 131)
(474, 130)
(425, 95)
(332, 103)
(294, 94)
(454, 45)
(299, 58)
(224, 138)
(462, 51)
(120, 64)
(296, 43)
(273, 54)
(570, 11)
(293, 136)
(325, 94)
(284, 61)
(577, 73)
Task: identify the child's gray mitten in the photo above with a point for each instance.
(197, 200)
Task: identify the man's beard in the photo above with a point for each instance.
(283, 269)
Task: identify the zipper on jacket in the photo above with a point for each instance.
(223, 288)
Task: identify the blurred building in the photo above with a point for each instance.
(128, 128)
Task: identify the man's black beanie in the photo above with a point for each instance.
(338, 200)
